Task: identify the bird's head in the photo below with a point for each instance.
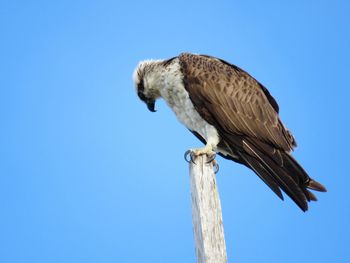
(147, 81)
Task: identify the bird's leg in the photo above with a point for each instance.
(207, 150)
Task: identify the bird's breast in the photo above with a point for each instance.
(178, 99)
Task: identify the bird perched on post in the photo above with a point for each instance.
(232, 114)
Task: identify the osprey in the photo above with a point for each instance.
(232, 114)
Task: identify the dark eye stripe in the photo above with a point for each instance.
(141, 96)
(140, 86)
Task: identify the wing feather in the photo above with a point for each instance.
(246, 118)
(234, 99)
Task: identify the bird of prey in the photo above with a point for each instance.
(232, 114)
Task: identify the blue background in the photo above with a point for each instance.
(87, 174)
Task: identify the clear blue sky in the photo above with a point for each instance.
(87, 174)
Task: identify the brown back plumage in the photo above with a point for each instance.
(234, 99)
(246, 117)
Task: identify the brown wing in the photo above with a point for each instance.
(246, 117)
(227, 96)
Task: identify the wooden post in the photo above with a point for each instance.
(206, 213)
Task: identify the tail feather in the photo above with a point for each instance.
(312, 184)
(264, 174)
(284, 181)
(277, 168)
(310, 196)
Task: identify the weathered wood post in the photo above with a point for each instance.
(206, 213)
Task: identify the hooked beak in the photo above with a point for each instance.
(150, 105)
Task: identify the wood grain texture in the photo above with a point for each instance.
(206, 213)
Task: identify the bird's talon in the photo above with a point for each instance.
(216, 166)
(186, 155)
(211, 157)
(192, 160)
(189, 153)
(214, 162)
